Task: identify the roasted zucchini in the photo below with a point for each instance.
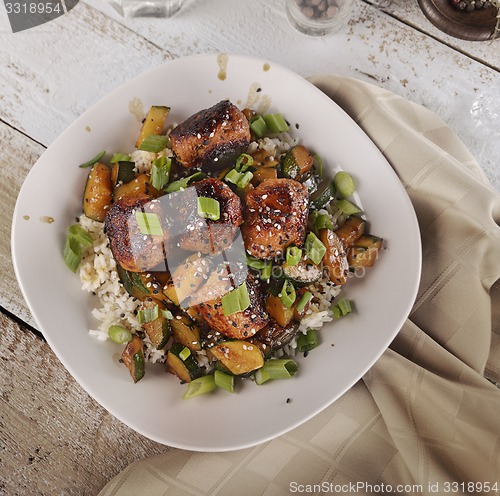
(323, 195)
(274, 336)
(140, 285)
(122, 172)
(305, 272)
(365, 252)
(141, 185)
(98, 192)
(296, 162)
(153, 123)
(157, 330)
(186, 332)
(187, 278)
(351, 231)
(264, 173)
(278, 311)
(181, 364)
(239, 357)
(264, 158)
(133, 358)
(335, 259)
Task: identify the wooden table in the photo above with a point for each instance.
(54, 439)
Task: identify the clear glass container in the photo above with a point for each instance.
(319, 17)
(147, 8)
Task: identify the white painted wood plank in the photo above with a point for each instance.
(409, 12)
(17, 156)
(54, 438)
(51, 74)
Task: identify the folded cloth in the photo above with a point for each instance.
(425, 418)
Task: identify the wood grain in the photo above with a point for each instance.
(18, 155)
(54, 439)
(478, 25)
(52, 74)
(411, 14)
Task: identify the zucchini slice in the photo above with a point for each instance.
(153, 122)
(335, 259)
(140, 285)
(98, 192)
(186, 332)
(323, 195)
(239, 357)
(141, 185)
(157, 330)
(274, 337)
(187, 278)
(133, 358)
(264, 173)
(122, 173)
(365, 252)
(184, 367)
(264, 158)
(278, 311)
(297, 161)
(305, 272)
(351, 231)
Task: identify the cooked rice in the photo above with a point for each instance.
(98, 273)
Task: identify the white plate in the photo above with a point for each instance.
(154, 407)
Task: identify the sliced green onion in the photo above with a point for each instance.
(80, 234)
(282, 368)
(184, 182)
(233, 176)
(160, 172)
(148, 223)
(306, 297)
(119, 334)
(314, 248)
(318, 165)
(258, 126)
(240, 179)
(120, 157)
(341, 308)
(323, 221)
(288, 294)
(224, 381)
(344, 184)
(184, 353)
(293, 255)
(154, 143)
(93, 160)
(255, 263)
(337, 313)
(167, 314)
(264, 266)
(208, 208)
(244, 162)
(307, 342)
(276, 123)
(236, 300)
(72, 253)
(265, 273)
(147, 315)
(202, 385)
(244, 180)
(347, 207)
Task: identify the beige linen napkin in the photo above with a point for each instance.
(424, 416)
